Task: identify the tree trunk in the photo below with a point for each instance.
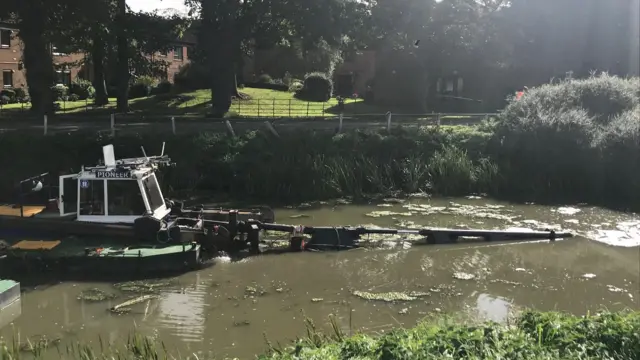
(122, 71)
(37, 57)
(99, 82)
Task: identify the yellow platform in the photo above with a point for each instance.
(36, 245)
(9, 210)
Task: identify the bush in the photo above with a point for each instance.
(316, 87)
(60, 92)
(4, 100)
(83, 89)
(9, 94)
(21, 93)
(562, 141)
(295, 86)
(162, 88)
(192, 76)
(73, 97)
(271, 86)
(265, 79)
(141, 87)
(145, 80)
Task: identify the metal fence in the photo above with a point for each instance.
(191, 105)
(115, 124)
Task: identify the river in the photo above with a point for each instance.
(228, 308)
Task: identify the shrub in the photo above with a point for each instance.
(141, 87)
(83, 89)
(317, 87)
(562, 140)
(265, 79)
(4, 100)
(272, 86)
(192, 76)
(59, 92)
(162, 88)
(73, 97)
(146, 80)
(9, 94)
(21, 93)
(295, 86)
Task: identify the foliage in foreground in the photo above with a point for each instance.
(534, 336)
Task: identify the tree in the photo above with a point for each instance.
(228, 26)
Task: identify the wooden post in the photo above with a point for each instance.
(438, 120)
(389, 121)
(113, 124)
(258, 107)
(271, 128)
(274, 107)
(340, 118)
(173, 125)
(289, 107)
(307, 108)
(230, 128)
(46, 124)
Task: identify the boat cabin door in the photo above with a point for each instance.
(68, 195)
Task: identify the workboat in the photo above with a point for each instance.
(115, 213)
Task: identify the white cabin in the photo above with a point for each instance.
(119, 191)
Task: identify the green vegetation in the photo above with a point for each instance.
(531, 154)
(533, 336)
(260, 103)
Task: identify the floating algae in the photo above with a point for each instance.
(141, 286)
(95, 295)
(124, 307)
(463, 276)
(390, 296)
(251, 291)
(299, 216)
(377, 214)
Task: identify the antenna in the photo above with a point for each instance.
(162, 153)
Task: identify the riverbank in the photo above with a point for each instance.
(533, 335)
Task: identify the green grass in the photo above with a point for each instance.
(263, 103)
(533, 336)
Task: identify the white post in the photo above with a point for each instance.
(113, 124)
(46, 124)
(173, 125)
(230, 128)
(271, 128)
(438, 120)
(389, 121)
(340, 117)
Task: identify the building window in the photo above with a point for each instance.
(177, 53)
(56, 52)
(7, 78)
(63, 77)
(5, 38)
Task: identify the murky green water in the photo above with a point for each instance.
(227, 309)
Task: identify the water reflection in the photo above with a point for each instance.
(493, 308)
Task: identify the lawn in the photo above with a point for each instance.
(262, 103)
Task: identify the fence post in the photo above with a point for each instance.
(113, 124)
(289, 107)
(230, 128)
(389, 121)
(274, 107)
(258, 107)
(307, 108)
(46, 124)
(173, 125)
(271, 128)
(340, 118)
(438, 120)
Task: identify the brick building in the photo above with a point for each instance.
(68, 67)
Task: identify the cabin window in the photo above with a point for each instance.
(154, 195)
(92, 197)
(125, 198)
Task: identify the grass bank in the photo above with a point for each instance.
(533, 336)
